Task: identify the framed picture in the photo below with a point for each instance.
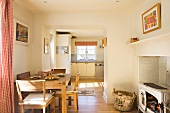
(46, 46)
(21, 34)
(151, 19)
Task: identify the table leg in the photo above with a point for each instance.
(69, 98)
(64, 106)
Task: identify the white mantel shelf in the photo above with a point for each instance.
(155, 38)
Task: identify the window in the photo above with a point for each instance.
(86, 52)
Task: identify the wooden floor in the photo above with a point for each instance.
(96, 103)
(90, 104)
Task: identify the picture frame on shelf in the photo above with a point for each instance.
(21, 32)
(151, 19)
(46, 46)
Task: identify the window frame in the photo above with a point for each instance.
(86, 53)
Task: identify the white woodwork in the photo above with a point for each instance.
(90, 69)
(73, 47)
(74, 69)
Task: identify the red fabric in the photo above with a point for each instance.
(6, 55)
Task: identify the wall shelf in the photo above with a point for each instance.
(155, 38)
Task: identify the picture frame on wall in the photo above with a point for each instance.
(46, 46)
(21, 32)
(151, 19)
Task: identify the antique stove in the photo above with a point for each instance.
(152, 98)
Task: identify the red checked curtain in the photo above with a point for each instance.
(6, 55)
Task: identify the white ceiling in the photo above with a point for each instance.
(81, 6)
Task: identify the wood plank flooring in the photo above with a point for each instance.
(94, 104)
(90, 104)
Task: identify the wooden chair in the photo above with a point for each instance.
(34, 100)
(71, 91)
(56, 71)
(23, 75)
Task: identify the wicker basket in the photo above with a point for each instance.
(123, 100)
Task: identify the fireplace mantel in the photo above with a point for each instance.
(155, 38)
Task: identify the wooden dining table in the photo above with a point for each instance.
(60, 83)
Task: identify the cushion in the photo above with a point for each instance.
(37, 98)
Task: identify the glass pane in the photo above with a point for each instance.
(81, 56)
(91, 52)
(86, 52)
(91, 56)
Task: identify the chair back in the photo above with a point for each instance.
(76, 81)
(30, 86)
(56, 71)
(23, 75)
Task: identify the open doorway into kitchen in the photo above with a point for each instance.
(87, 58)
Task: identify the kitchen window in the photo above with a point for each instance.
(86, 52)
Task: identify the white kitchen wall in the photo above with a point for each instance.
(118, 55)
(22, 53)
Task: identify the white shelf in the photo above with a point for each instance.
(156, 38)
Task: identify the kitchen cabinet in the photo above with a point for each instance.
(74, 69)
(82, 68)
(90, 69)
(86, 69)
(73, 47)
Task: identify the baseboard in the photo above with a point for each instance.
(107, 99)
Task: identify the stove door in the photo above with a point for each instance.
(142, 99)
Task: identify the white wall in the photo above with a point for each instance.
(159, 47)
(46, 58)
(165, 17)
(22, 53)
(118, 56)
